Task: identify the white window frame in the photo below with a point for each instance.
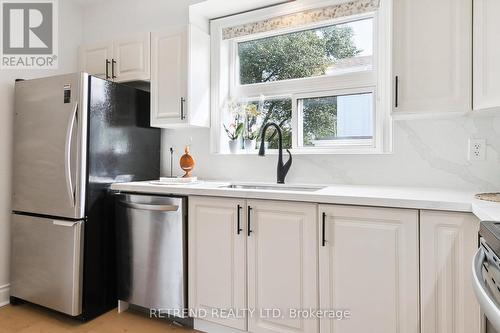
(226, 86)
(339, 145)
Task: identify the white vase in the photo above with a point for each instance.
(250, 145)
(234, 145)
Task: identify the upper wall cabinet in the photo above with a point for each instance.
(121, 60)
(180, 78)
(432, 55)
(95, 59)
(132, 58)
(486, 54)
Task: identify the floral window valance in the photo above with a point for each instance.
(302, 18)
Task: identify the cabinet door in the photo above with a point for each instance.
(368, 265)
(448, 242)
(93, 59)
(486, 54)
(132, 58)
(217, 265)
(168, 77)
(433, 50)
(47, 262)
(282, 265)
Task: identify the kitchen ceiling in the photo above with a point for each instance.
(90, 2)
(217, 8)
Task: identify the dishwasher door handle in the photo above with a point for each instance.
(156, 208)
(486, 300)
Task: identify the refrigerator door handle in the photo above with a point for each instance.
(64, 223)
(68, 151)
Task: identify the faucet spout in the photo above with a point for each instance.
(283, 168)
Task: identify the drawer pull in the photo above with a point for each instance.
(239, 221)
(323, 238)
(249, 221)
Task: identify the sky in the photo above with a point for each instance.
(363, 35)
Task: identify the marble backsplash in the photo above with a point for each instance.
(427, 153)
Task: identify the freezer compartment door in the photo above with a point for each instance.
(50, 140)
(46, 262)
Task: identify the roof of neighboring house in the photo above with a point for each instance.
(347, 64)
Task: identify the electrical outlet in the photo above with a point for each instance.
(477, 150)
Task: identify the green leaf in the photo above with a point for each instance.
(239, 130)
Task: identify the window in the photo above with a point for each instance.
(330, 120)
(324, 51)
(322, 82)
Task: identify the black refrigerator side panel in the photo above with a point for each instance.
(122, 147)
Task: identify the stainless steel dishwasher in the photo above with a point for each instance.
(152, 252)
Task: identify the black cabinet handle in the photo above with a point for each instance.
(323, 238)
(396, 92)
(183, 101)
(249, 221)
(107, 69)
(113, 62)
(239, 220)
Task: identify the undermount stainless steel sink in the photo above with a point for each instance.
(270, 187)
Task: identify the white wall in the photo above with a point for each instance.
(117, 18)
(427, 153)
(70, 34)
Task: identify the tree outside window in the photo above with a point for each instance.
(297, 55)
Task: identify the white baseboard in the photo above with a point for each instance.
(208, 327)
(4, 295)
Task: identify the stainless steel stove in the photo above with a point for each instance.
(486, 274)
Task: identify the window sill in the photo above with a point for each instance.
(299, 152)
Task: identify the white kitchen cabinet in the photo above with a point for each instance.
(432, 55)
(282, 265)
(486, 55)
(280, 252)
(132, 58)
(393, 270)
(368, 264)
(169, 79)
(217, 257)
(121, 60)
(180, 78)
(448, 242)
(95, 59)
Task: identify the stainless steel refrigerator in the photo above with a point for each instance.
(74, 135)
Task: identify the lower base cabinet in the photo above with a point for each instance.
(448, 242)
(282, 266)
(377, 270)
(368, 265)
(264, 249)
(217, 260)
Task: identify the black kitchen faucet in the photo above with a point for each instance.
(282, 168)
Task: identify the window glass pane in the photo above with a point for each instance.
(326, 120)
(278, 111)
(252, 116)
(332, 50)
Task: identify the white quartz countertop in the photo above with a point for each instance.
(379, 196)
